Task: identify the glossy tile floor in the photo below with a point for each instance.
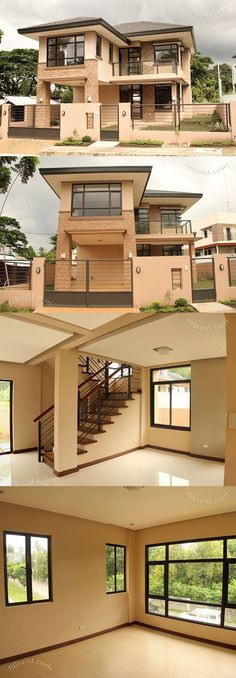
(129, 653)
(143, 467)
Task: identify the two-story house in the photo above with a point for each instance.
(107, 218)
(146, 63)
(217, 235)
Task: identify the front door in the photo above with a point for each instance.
(132, 94)
(5, 417)
(203, 279)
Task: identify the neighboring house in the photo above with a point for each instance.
(23, 108)
(14, 270)
(217, 235)
(146, 63)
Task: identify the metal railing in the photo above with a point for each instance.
(195, 117)
(232, 271)
(182, 227)
(144, 67)
(45, 422)
(15, 273)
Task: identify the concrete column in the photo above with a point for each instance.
(65, 410)
(6, 112)
(124, 122)
(37, 281)
(230, 451)
(42, 113)
(233, 119)
(78, 95)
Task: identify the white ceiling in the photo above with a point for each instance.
(191, 336)
(134, 508)
(22, 340)
(88, 319)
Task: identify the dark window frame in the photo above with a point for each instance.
(166, 106)
(29, 592)
(17, 113)
(98, 46)
(225, 560)
(111, 52)
(169, 382)
(94, 209)
(115, 546)
(172, 47)
(78, 61)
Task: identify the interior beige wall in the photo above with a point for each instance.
(26, 402)
(47, 385)
(78, 580)
(208, 424)
(209, 407)
(230, 456)
(214, 526)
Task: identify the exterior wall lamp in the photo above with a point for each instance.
(138, 269)
(63, 112)
(38, 269)
(221, 267)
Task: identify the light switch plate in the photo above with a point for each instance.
(232, 420)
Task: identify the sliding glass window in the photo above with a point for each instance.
(27, 568)
(115, 568)
(193, 581)
(67, 50)
(93, 200)
(171, 397)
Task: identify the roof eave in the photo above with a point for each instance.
(74, 24)
(166, 30)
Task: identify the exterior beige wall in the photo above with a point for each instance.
(100, 252)
(223, 290)
(74, 120)
(109, 95)
(154, 283)
(124, 434)
(230, 456)
(212, 526)
(79, 582)
(208, 413)
(26, 402)
(5, 117)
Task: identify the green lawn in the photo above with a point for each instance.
(18, 594)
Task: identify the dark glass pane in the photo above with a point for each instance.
(115, 199)
(78, 188)
(180, 405)
(120, 568)
(78, 200)
(230, 617)
(16, 568)
(96, 200)
(196, 581)
(196, 549)
(110, 568)
(156, 553)
(172, 373)
(96, 187)
(156, 580)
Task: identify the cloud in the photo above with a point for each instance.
(213, 22)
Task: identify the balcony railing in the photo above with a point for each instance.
(183, 227)
(145, 67)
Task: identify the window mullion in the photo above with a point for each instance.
(167, 581)
(170, 418)
(225, 582)
(28, 569)
(115, 568)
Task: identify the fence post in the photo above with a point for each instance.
(39, 441)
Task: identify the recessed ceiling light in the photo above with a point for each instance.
(1, 491)
(131, 524)
(133, 488)
(163, 349)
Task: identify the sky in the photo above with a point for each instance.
(36, 206)
(214, 22)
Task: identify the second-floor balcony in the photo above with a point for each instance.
(146, 227)
(145, 68)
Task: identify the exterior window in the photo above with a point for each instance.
(142, 218)
(166, 52)
(228, 234)
(143, 250)
(115, 568)
(176, 277)
(163, 97)
(111, 52)
(172, 251)
(193, 581)
(17, 113)
(170, 217)
(27, 564)
(98, 46)
(65, 50)
(171, 397)
(96, 200)
(205, 234)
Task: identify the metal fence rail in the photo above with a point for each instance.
(15, 273)
(38, 120)
(209, 117)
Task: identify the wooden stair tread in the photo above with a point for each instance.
(84, 429)
(86, 441)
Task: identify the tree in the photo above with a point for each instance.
(18, 70)
(11, 236)
(203, 79)
(226, 78)
(62, 93)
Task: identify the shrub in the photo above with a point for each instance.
(156, 305)
(181, 302)
(86, 139)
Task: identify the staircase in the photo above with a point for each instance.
(102, 397)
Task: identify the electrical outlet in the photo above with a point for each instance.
(232, 420)
(205, 446)
(82, 628)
